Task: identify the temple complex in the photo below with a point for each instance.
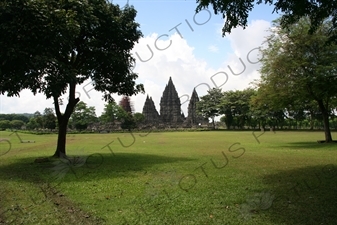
(170, 117)
(170, 109)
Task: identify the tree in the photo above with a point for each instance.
(12, 116)
(16, 124)
(110, 112)
(301, 67)
(266, 107)
(5, 117)
(49, 119)
(83, 116)
(53, 46)
(302, 110)
(209, 105)
(113, 112)
(139, 118)
(5, 124)
(236, 107)
(235, 12)
(23, 118)
(127, 120)
(38, 119)
(32, 124)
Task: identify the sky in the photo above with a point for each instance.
(180, 44)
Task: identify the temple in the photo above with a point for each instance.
(170, 110)
(150, 112)
(193, 119)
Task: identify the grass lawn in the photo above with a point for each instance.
(218, 177)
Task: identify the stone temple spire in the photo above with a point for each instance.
(170, 111)
(150, 112)
(193, 118)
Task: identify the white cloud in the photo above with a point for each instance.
(242, 65)
(177, 61)
(243, 40)
(213, 48)
(27, 102)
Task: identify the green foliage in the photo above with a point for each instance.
(110, 113)
(5, 124)
(51, 44)
(113, 113)
(38, 119)
(23, 118)
(12, 116)
(209, 106)
(32, 124)
(50, 47)
(236, 12)
(16, 124)
(138, 117)
(127, 120)
(45, 121)
(83, 116)
(264, 112)
(49, 119)
(235, 105)
(298, 68)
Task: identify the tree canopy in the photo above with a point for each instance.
(49, 118)
(51, 46)
(298, 68)
(83, 116)
(209, 104)
(113, 112)
(236, 12)
(235, 105)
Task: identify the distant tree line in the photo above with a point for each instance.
(47, 120)
(81, 118)
(10, 117)
(240, 109)
(246, 109)
(297, 87)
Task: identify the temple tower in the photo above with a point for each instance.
(193, 119)
(150, 112)
(170, 110)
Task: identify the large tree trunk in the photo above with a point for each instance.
(63, 120)
(325, 115)
(61, 139)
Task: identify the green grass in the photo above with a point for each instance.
(170, 178)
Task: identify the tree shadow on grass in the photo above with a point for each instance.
(309, 145)
(90, 167)
(302, 196)
(19, 202)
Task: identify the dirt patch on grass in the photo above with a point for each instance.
(16, 207)
(68, 212)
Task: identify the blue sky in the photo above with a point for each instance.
(162, 17)
(202, 58)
